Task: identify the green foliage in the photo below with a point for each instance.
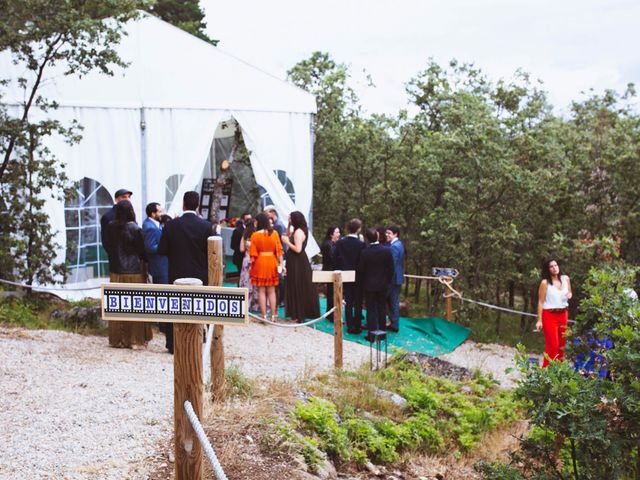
(439, 413)
(20, 313)
(40, 34)
(586, 427)
(184, 14)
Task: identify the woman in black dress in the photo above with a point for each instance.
(328, 250)
(301, 297)
(125, 245)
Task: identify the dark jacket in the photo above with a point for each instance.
(105, 220)
(236, 236)
(375, 268)
(328, 250)
(184, 241)
(348, 253)
(125, 248)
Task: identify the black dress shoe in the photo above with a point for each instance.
(393, 329)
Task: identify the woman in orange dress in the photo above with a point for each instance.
(266, 256)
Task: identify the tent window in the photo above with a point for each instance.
(286, 182)
(82, 211)
(170, 188)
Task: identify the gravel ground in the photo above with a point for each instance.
(73, 408)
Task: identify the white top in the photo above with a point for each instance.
(557, 298)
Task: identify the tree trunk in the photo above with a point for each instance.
(499, 313)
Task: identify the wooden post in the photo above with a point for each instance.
(187, 385)
(337, 320)
(216, 275)
(449, 311)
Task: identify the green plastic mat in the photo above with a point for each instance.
(432, 336)
(229, 265)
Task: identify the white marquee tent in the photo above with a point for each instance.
(156, 120)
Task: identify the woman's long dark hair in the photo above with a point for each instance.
(327, 237)
(124, 213)
(298, 221)
(546, 274)
(262, 221)
(248, 230)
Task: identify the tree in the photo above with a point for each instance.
(184, 14)
(79, 36)
(350, 151)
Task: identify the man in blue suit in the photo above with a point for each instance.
(152, 231)
(398, 254)
(158, 264)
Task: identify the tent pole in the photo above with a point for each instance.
(143, 158)
(312, 119)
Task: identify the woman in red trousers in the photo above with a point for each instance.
(553, 309)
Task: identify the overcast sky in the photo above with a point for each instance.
(571, 45)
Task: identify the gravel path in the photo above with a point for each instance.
(73, 408)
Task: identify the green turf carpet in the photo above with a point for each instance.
(431, 336)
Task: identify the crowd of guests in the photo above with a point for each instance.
(270, 257)
(379, 266)
(273, 265)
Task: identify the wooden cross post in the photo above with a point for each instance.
(338, 278)
(189, 306)
(216, 278)
(187, 385)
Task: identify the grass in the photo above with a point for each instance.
(43, 311)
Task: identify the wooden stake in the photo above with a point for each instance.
(216, 278)
(337, 320)
(187, 385)
(449, 312)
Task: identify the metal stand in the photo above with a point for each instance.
(377, 337)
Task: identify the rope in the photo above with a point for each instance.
(292, 325)
(204, 441)
(447, 281)
(50, 289)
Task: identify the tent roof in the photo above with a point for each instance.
(169, 68)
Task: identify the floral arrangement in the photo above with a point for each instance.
(232, 222)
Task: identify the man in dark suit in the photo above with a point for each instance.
(348, 251)
(184, 241)
(375, 270)
(236, 236)
(398, 254)
(110, 215)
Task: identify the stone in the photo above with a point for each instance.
(326, 470)
(372, 468)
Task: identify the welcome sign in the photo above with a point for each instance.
(141, 302)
